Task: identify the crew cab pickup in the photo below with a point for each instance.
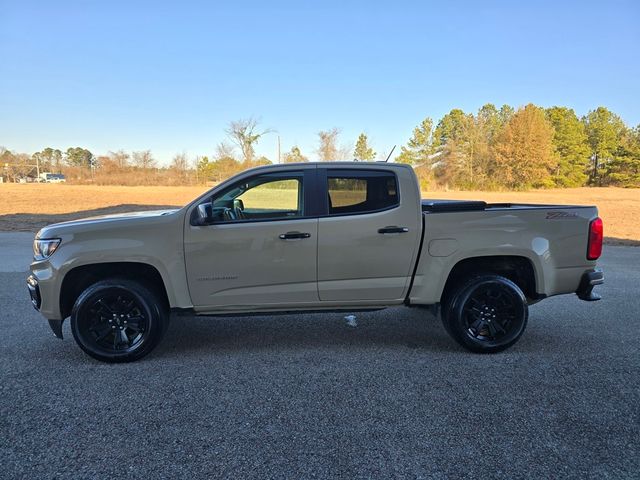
(312, 237)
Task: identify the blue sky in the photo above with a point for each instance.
(169, 77)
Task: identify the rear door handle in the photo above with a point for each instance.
(293, 235)
(393, 230)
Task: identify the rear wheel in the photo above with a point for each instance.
(487, 314)
(118, 320)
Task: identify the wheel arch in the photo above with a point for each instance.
(79, 278)
(519, 269)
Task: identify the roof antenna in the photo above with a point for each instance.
(390, 153)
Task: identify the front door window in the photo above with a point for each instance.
(263, 197)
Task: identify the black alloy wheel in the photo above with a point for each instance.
(486, 314)
(118, 320)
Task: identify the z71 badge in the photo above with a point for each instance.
(557, 215)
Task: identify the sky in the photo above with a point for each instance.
(170, 77)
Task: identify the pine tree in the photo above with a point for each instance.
(363, 152)
(571, 143)
(463, 146)
(420, 146)
(450, 127)
(79, 157)
(489, 121)
(204, 168)
(604, 130)
(505, 114)
(624, 170)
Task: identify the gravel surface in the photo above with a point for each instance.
(312, 397)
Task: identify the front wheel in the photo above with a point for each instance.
(487, 314)
(118, 320)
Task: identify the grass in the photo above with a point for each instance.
(30, 206)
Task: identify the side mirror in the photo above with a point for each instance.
(203, 214)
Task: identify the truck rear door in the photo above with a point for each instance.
(368, 241)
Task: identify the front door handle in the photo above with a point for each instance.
(293, 235)
(393, 230)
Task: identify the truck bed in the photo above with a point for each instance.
(552, 238)
(442, 206)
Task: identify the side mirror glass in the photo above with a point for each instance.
(203, 213)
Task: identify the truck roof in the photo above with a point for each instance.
(340, 164)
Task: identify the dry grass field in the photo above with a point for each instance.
(30, 206)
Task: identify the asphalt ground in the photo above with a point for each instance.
(308, 396)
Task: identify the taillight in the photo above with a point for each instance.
(594, 249)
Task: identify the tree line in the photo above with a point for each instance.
(531, 147)
(80, 165)
(505, 148)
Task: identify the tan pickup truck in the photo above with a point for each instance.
(312, 237)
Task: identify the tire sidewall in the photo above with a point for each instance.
(455, 319)
(157, 320)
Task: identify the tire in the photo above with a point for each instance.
(118, 320)
(486, 314)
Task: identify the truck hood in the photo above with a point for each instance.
(100, 221)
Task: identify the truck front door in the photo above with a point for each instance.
(259, 249)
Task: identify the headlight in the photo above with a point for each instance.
(44, 247)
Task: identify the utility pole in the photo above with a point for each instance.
(278, 148)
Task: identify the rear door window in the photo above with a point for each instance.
(361, 191)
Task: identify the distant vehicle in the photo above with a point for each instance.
(52, 178)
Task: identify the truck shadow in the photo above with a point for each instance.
(625, 242)
(32, 222)
(394, 327)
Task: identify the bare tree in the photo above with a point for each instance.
(224, 150)
(245, 134)
(120, 158)
(180, 162)
(179, 166)
(143, 159)
(345, 152)
(328, 148)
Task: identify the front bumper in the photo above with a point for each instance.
(589, 280)
(46, 277)
(36, 300)
(34, 292)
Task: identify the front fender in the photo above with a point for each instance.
(56, 327)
